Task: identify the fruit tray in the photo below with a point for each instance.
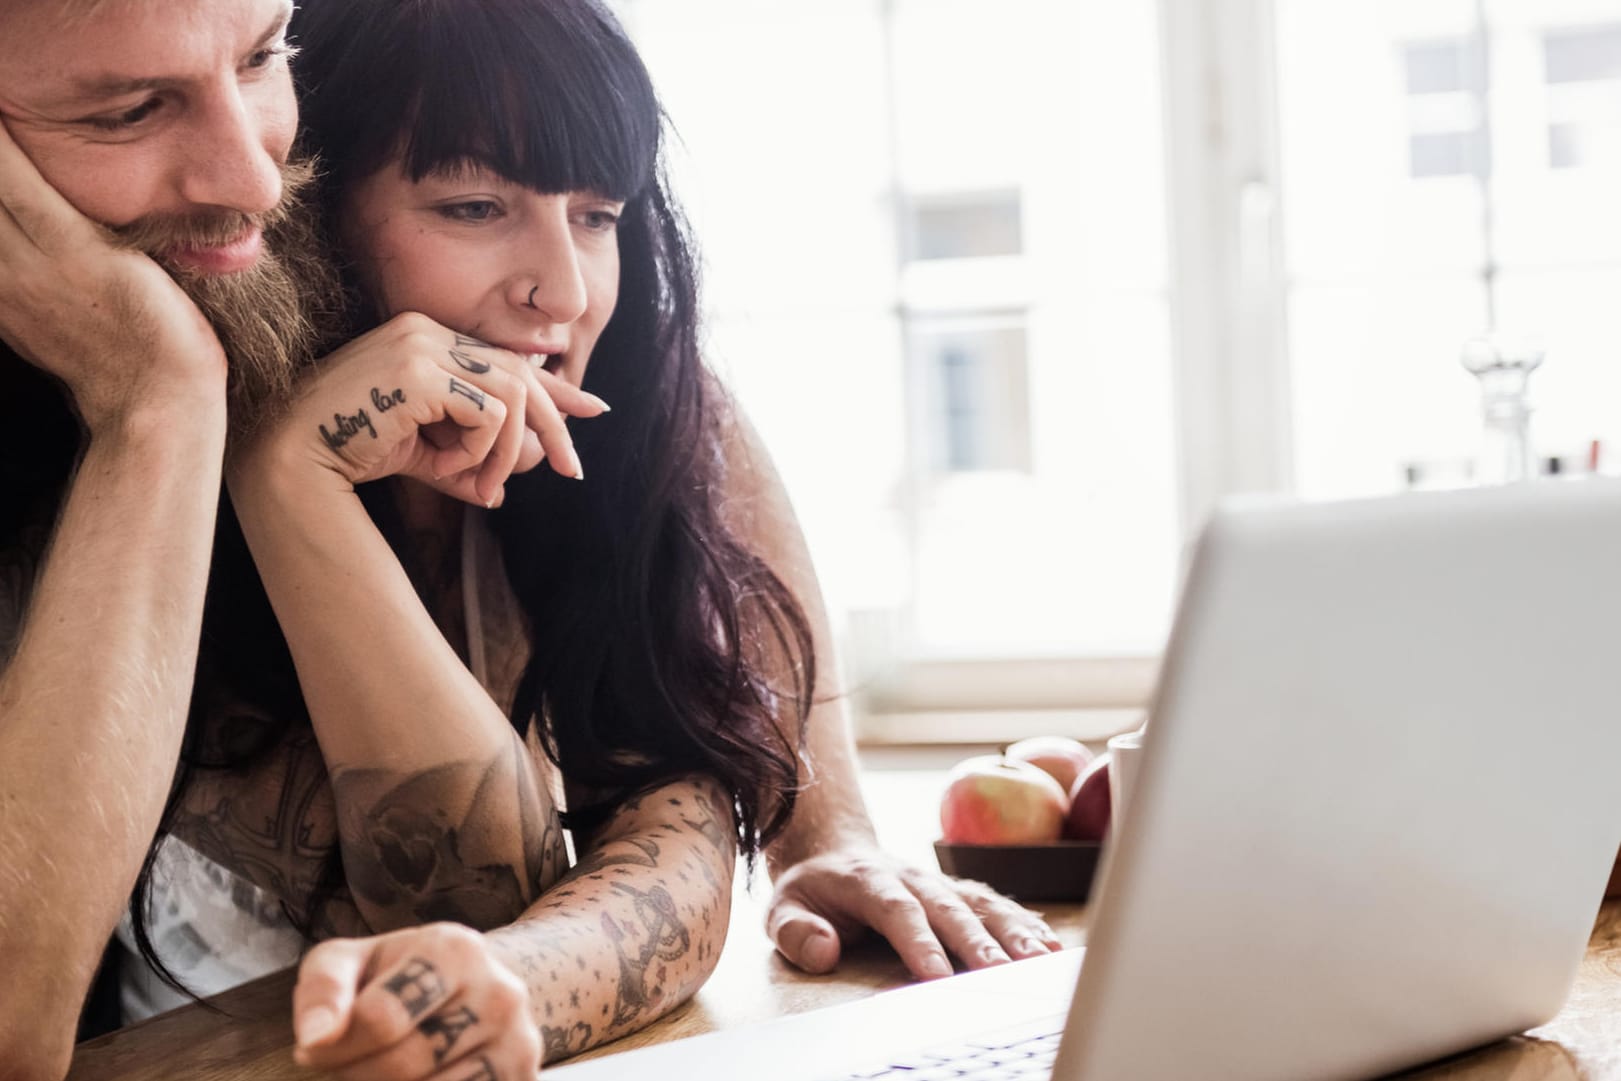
(1060, 871)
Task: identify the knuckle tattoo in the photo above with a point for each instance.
(417, 985)
(445, 1028)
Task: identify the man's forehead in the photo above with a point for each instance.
(84, 47)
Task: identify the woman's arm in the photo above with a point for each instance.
(627, 935)
(440, 812)
(833, 881)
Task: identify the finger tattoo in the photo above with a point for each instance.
(418, 986)
(472, 393)
(444, 1029)
(485, 1072)
(468, 363)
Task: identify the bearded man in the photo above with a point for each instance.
(174, 132)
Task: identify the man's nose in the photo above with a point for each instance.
(230, 164)
(551, 281)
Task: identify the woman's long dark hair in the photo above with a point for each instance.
(650, 622)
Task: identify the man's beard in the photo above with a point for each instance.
(271, 318)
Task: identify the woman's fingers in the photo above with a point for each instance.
(503, 457)
(549, 427)
(415, 1005)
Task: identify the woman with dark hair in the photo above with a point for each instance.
(471, 635)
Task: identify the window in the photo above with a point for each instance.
(934, 238)
(1583, 69)
(1444, 108)
(977, 390)
(966, 226)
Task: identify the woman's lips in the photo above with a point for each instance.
(239, 254)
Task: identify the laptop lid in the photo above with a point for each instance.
(1378, 799)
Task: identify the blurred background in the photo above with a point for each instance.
(1016, 289)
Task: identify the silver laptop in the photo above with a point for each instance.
(1375, 815)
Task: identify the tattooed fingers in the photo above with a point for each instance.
(425, 1004)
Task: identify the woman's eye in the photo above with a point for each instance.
(600, 220)
(474, 211)
(129, 118)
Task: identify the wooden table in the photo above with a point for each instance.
(251, 1040)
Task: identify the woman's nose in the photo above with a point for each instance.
(551, 282)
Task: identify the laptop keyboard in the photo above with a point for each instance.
(1024, 1054)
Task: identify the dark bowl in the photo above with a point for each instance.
(1060, 871)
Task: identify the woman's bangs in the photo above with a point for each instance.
(555, 103)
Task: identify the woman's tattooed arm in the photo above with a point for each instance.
(472, 842)
(636, 927)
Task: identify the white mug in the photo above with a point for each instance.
(1125, 755)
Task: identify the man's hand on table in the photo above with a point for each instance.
(826, 901)
(427, 1003)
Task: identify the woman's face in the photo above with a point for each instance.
(497, 261)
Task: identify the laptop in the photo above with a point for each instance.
(1376, 811)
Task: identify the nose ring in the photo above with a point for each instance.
(529, 301)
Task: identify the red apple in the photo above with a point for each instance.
(1066, 759)
(991, 800)
(1088, 818)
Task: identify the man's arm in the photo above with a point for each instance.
(93, 702)
(833, 881)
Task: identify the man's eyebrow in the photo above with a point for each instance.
(87, 91)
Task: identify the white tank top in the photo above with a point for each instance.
(214, 929)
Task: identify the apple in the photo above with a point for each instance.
(993, 800)
(1089, 803)
(1066, 759)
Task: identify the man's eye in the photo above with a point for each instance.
(474, 211)
(129, 118)
(269, 55)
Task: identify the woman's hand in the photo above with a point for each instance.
(428, 1003)
(108, 322)
(413, 398)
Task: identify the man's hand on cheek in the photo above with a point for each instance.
(827, 901)
(109, 323)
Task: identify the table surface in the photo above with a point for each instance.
(249, 1038)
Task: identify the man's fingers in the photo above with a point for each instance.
(894, 912)
(1021, 932)
(958, 926)
(327, 982)
(38, 209)
(807, 940)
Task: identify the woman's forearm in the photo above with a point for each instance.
(441, 812)
(636, 927)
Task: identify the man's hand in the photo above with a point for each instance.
(109, 323)
(430, 1002)
(831, 899)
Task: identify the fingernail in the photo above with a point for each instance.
(606, 408)
(315, 1025)
(579, 470)
(995, 955)
(536, 361)
(936, 966)
(1029, 947)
